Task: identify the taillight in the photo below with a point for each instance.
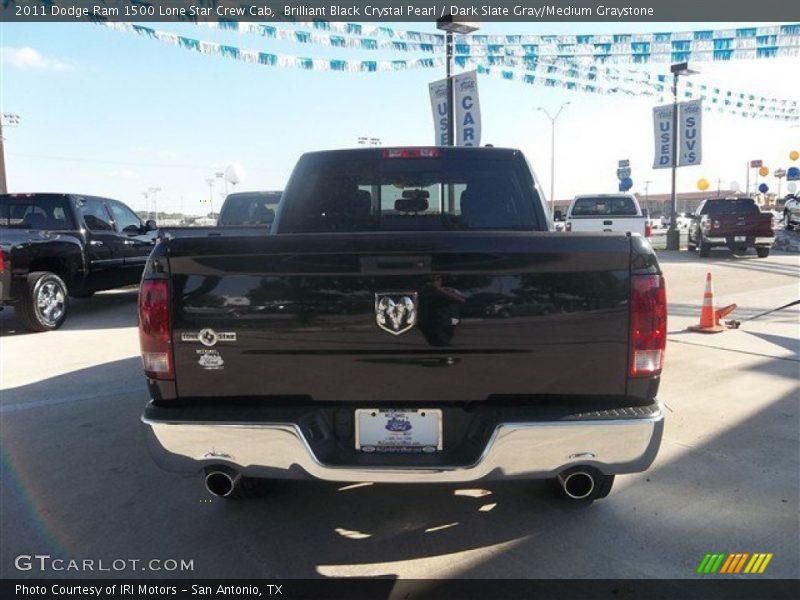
(411, 153)
(2, 262)
(154, 328)
(648, 229)
(648, 335)
(568, 226)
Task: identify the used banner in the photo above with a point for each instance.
(438, 91)
(690, 126)
(468, 109)
(662, 128)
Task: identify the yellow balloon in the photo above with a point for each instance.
(794, 154)
(763, 171)
(702, 184)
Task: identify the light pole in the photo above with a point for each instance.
(553, 155)
(647, 193)
(221, 175)
(451, 26)
(12, 120)
(673, 233)
(210, 182)
(152, 191)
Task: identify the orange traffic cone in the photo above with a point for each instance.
(709, 318)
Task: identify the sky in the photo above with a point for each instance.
(113, 114)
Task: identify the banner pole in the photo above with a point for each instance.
(673, 239)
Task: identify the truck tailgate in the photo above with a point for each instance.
(746, 224)
(498, 314)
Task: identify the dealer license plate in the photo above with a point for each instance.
(398, 430)
(740, 238)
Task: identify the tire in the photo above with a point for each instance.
(786, 224)
(691, 247)
(705, 249)
(762, 252)
(46, 302)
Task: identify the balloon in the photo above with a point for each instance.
(763, 171)
(734, 186)
(763, 188)
(792, 187)
(702, 184)
(793, 173)
(794, 155)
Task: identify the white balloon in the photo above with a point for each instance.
(792, 187)
(234, 173)
(735, 186)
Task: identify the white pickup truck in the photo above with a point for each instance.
(619, 212)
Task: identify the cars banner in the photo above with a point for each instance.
(468, 109)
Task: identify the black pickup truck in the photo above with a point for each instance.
(359, 341)
(53, 246)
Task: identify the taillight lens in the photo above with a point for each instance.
(648, 335)
(568, 226)
(154, 329)
(648, 229)
(2, 262)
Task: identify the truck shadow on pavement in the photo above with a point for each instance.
(78, 482)
(105, 310)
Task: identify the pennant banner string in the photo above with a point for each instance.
(542, 73)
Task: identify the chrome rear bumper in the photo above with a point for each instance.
(514, 451)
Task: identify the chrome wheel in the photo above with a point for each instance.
(50, 301)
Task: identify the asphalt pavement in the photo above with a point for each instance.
(77, 482)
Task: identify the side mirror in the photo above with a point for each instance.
(558, 216)
(150, 225)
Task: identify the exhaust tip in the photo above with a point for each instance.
(577, 485)
(221, 483)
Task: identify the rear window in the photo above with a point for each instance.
(734, 206)
(35, 211)
(249, 209)
(604, 206)
(369, 193)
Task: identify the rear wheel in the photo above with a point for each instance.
(762, 252)
(705, 249)
(44, 306)
(786, 223)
